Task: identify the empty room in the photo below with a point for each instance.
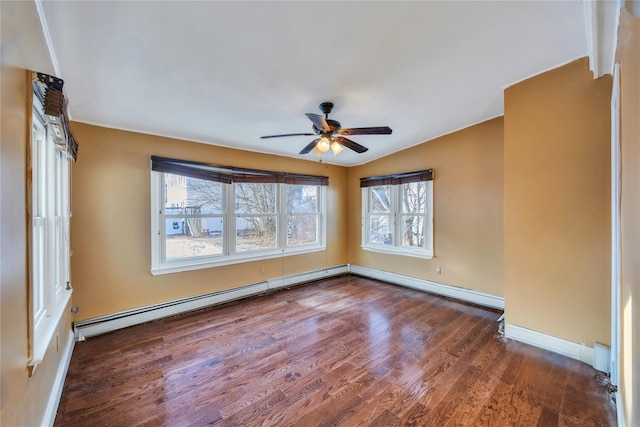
(288, 213)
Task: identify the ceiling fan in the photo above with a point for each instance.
(326, 128)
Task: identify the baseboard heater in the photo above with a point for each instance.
(462, 294)
(112, 322)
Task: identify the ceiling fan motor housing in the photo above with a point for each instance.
(334, 125)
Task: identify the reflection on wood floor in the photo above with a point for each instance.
(344, 351)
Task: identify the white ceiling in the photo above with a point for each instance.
(226, 73)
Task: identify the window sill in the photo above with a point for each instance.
(46, 330)
(392, 250)
(200, 264)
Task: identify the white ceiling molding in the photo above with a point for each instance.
(47, 37)
(601, 25)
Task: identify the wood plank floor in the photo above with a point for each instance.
(345, 351)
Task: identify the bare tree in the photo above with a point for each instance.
(302, 208)
(257, 199)
(413, 209)
(380, 208)
(205, 194)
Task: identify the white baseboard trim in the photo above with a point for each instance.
(548, 342)
(112, 322)
(602, 358)
(58, 384)
(620, 409)
(295, 279)
(469, 295)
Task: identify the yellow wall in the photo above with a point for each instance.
(23, 399)
(111, 222)
(557, 204)
(629, 50)
(468, 186)
(521, 211)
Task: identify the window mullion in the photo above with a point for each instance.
(230, 214)
(322, 216)
(282, 215)
(364, 218)
(162, 218)
(50, 282)
(397, 214)
(66, 190)
(371, 215)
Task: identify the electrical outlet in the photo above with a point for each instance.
(438, 270)
(261, 270)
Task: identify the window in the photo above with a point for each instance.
(397, 214)
(49, 233)
(256, 216)
(302, 214)
(193, 220)
(205, 215)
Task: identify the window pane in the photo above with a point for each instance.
(58, 177)
(255, 233)
(39, 177)
(254, 198)
(413, 230)
(191, 196)
(380, 229)
(39, 254)
(192, 237)
(302, 198)
(59, 253)
(302, 229)
(380, 198)
(414, 197)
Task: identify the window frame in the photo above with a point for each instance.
(289, 214)
(395, 214)
(160, 265)
(235, 215)
(163, 223)
(48, 202)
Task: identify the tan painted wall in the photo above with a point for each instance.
(629, 51)
(554, 273)
(468, 186)
(22, 398)
(111, 222)
(557, 204)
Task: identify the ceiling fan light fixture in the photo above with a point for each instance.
(323, 145)
(330, 134)
(336, 148)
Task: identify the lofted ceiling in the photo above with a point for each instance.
(225, 73)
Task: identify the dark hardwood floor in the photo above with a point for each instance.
(345, 351)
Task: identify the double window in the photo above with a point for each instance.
(49, 231)
(205, 215)
(397, 214)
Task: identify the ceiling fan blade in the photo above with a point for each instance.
(351, 144)
(319, 121)
(379, 130)
(287, 134)
(309, 147)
